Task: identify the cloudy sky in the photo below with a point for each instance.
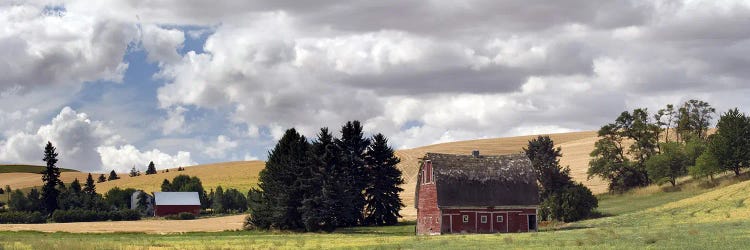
(115, 84)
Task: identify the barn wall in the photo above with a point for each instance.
(163, 210)
(428, 214)
(513, 220)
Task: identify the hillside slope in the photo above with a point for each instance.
(576, 147)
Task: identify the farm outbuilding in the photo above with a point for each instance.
(476, 194)
(176, 202)
(135, 197)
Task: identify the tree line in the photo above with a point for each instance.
(638, 149)
(74, 202)
(327, 183)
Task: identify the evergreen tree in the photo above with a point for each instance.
(352, 146)
(280, 185)
(731, 143)
(101, 179)
(134, 172)
(321, 204)
(89, 188)
(113, 176)
(218, 200)
(50, 178)
(545, 161)
(166, 186)
(75, 186)
(381, 194)
(151, 168)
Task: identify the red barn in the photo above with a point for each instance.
(476, 194)
(167, 203)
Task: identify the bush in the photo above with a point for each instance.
(79, 215)
(181, 216)
(18, 217)
(573, 203)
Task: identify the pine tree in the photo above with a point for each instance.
(51, 178)
(218, 200)
(134, 172)
(101, 179)
(113, 176)
(151, 168)
(352, 146)
(321, 204)
(166, 186)
(280, 185)
(75, 186)
(89, 188)
(381, 195)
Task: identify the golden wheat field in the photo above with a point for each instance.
(243, 175)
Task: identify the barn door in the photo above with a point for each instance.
(484, 222)
(445, 225)
(500, 221)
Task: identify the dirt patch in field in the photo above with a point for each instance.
(155, 226)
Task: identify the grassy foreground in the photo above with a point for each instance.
(693, 218)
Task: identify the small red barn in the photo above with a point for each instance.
(476, 194)
(167, 203)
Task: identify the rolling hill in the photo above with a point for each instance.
(27, 169)
(243, 175)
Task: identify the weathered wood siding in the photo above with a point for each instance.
(163, 210)
(513, 220)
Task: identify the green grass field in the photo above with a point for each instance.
(27, 169)
(691, 218)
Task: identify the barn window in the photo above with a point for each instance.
(499, 218)
(484, 218)
(466, 218)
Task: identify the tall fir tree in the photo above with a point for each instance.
(89, 188)
(75, 186)
(352, 173)
(381, 194)
(51, 179)
(112, 176)
(151, 168)
(321, 204)
(280, 184)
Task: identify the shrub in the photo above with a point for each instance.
(130, 214)
(181, 216)
(573, 203)
(79, 215)
(21, 217)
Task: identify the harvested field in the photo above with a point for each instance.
(243, 175)
(215, 224)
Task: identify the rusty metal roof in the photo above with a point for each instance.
(466, 180)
